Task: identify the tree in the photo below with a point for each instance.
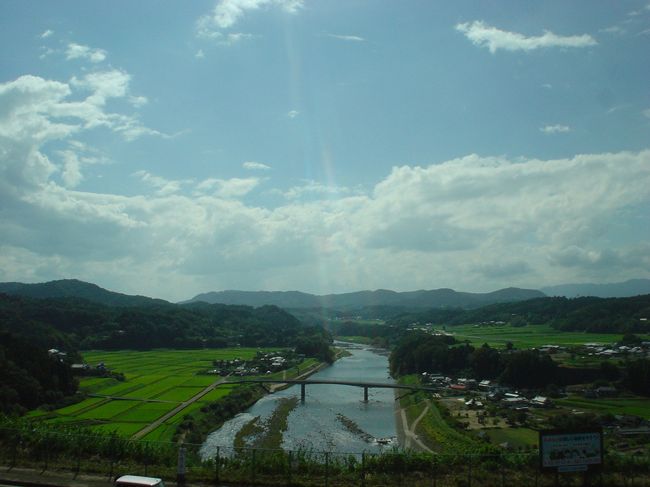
(529, 368)
(485, 362)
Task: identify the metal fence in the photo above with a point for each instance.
(109, 456)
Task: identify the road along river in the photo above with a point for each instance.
(332, 418)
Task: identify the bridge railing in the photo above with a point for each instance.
(108, 456)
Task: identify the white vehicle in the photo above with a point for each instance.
(137, 481)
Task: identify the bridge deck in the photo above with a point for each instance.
(370, 385)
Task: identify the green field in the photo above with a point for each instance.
(156, 382)
(637, 406)
(530, 336)
(515, 437)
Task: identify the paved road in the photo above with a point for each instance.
(148, 429)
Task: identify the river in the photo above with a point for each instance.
(333, 417)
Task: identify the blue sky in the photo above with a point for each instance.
(171, 148)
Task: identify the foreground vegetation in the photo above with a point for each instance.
(62, 448)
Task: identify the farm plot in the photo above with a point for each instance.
(529, 336)
(637, 406)
(155, 383)
(107, 410)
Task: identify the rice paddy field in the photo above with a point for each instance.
(156, 383)
(635, 405)
(530, 336)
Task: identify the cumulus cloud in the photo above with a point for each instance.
(484, 35)
(227, 13)
(47, 33)
(35, 111)
(555, 129)
(255, 166)
(293, 113)
(79, 51)
(73, 160)
(473, 223)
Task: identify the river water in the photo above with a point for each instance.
(317, 424)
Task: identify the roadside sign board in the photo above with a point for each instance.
(571, 451)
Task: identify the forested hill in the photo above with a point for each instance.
(364, 299)
(71, 323)
(632, 287)
(29, 327)
(73, 288)
(585, 314)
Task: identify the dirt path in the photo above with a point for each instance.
(406, 435)
(148, 429)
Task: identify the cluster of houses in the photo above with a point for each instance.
(57, 354)
(596, 349)
(488, 390)
(263, 363)
(605, 351)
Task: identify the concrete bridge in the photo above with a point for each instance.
(304, 383)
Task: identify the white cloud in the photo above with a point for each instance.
(555, 129)
(104, 84)
(47, 33)
(78, 51)
(473, 223)
(228, 188)
(293, 113)
(238, 36)
(138, 101)
(199, 54)
(614, 29)
(347, 38)
(164, 187)
(35, 111)
(315, 189)
(227, 13)
(254, 166)
(484, 35)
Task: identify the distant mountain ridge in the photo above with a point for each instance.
(629, 288)
(436, 298)
(73, 288)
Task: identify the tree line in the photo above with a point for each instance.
(419, 352)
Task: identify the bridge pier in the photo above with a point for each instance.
(302, 393)
(365, 394)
